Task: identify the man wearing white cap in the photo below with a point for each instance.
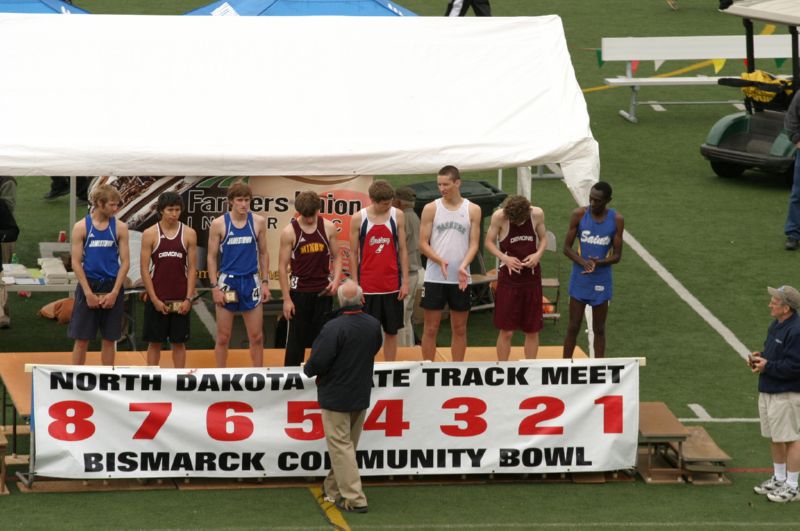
(778, 368)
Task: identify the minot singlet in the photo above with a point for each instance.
(100, 251)
(520, 242)
(595, 240)
(379, 267)
(239, 248)
(169, 265)
(311, 258)
(450, 240)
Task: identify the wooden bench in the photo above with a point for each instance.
(690, 48)
(704, 463)
(659, 430)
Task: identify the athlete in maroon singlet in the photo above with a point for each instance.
(518, 301)
(308, 244)
(169, 272)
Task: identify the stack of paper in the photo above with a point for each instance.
(53, 270)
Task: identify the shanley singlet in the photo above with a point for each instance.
(450, 240)
(239, 248)
(100, 251)
(520, 242)
(595, 240)
(311, 258)
(169, 265)
(379, 268)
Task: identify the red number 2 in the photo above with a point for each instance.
(553, 408)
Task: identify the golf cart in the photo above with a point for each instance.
(756, 138)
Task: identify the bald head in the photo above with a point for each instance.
(349, 294)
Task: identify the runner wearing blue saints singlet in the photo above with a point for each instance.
(240, 238)
(598, 230)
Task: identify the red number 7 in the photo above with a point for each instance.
(159, 411)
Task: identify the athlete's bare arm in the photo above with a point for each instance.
(569, 240)
(425, 231)
(124, 265)
(190, 240)
(497, 226)
(403, 250)
(336, 255)
(149, 241)
(355, 258)
(537, 218)
(474, 240)
(78, 240)
(263, 256)
(215, 234)
(284, 258)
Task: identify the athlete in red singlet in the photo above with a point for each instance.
(379, 261)
(169, 280)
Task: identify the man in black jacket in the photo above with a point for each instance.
(342, 359)
(778, 368)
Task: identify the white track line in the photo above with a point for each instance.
(700, 411)
(684, 294)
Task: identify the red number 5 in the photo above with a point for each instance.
(297, 413)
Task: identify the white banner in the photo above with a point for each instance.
(424, 418)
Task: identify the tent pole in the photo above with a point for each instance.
(72, 206)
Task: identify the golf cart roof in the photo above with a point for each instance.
(782, 12)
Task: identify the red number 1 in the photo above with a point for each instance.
(612, 413)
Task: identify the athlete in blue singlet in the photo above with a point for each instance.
(598, 230)
(100, 260)
(240, 239)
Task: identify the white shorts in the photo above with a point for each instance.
(780, 416)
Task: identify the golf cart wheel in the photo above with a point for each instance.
(727, 170)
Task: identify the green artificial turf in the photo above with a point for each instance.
(721, 239)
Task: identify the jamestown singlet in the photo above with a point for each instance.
(239, 248)
(100, 251)
(311, 258)
(379, 267)
(169, 265)
(450, 240)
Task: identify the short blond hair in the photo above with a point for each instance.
(103, 194)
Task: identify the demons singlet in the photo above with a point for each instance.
(520, 242)
(595, 240)
(239, 248)
(169, 265)
(311, 258)
(450, 240)
(100, 251)
(379, 268)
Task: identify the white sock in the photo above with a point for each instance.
(780, 471)
(791, 479)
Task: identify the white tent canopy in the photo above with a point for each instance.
(147, 95)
